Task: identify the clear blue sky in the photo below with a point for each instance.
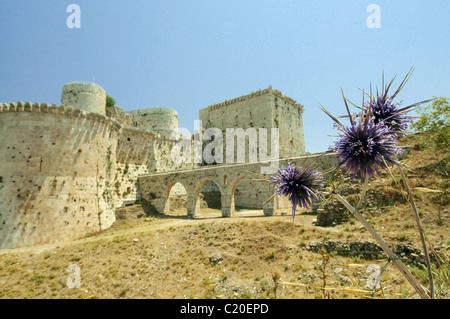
(188, 54)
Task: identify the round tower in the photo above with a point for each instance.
(158, 120)
(88, 97)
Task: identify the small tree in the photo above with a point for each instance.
(435, 121)
(110, 102)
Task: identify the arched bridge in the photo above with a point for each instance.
(155, 188)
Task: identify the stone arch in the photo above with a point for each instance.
(257, 197)
(175, 197)
(237, 181)
(244, 194)
(233, 188)
(209, 193)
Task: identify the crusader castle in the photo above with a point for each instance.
(65, 169)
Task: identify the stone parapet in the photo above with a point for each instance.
(260, 92)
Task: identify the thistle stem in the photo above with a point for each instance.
(419, 226)
(363, 193)
(395, 259)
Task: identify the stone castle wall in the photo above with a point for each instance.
(65, 169)
(53, 163)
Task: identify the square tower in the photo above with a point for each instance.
(267, 109)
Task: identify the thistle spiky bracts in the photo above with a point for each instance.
(300, 184)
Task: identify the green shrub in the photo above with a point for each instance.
(110, 102)
(435, 119)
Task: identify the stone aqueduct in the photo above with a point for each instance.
(226, 177)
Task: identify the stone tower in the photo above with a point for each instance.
(267, 109)
(162, 121)
(263, 109)
(89, 97)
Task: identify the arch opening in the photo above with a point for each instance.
(209, 197)
(176, 202)
(248, 197)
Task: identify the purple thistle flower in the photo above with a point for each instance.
(385, 111)
(301, 185)
(366, 146)
(370, 142)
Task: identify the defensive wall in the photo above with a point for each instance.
(64, 169)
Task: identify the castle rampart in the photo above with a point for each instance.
(52, 165)
(64, 169)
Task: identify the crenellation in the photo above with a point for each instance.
(44, 107)
(28, 107)
(76, 112)
(268, 91)
(60, 110)
(68, 111)
(53, 109)
(20, 106)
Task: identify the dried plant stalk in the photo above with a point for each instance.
(422, 235)
(395, 259)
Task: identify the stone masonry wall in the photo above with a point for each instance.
(289, 120)
(63, 171)
(53, 164)
(261, 109)
(119, 115)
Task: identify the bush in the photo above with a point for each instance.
(110, 102)
(435, 123)
(435, 119)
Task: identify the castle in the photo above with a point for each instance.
(65, 169)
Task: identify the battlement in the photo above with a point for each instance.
(56, 110)
(268, 91)
(37, 107)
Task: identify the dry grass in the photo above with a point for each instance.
(211, 257)
(157, 258)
